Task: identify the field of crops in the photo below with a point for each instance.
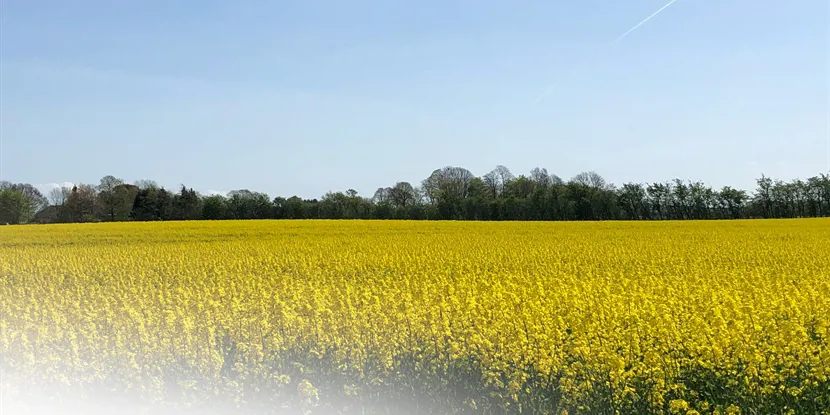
(721, 317)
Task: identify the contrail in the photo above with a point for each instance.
(621, 37)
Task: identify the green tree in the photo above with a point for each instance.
(731, 202)
(15, 207)
(633, 202)
(214, 207)
(187, 205)
(151, 204)
(82, 204)
(21, 202)
(111, 198)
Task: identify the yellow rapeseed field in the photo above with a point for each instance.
(721, 317)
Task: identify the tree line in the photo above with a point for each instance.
(449, 193)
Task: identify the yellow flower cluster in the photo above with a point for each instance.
(720, 317)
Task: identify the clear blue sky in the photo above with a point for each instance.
(302, 97)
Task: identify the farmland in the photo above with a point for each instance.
(685, 317)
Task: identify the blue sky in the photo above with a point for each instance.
(302, 97)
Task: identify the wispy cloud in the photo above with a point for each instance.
(47, 188)
(215, 193)
(99, 73)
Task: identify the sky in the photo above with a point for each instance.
(304, 97)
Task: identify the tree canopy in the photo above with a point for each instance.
(448, 193)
